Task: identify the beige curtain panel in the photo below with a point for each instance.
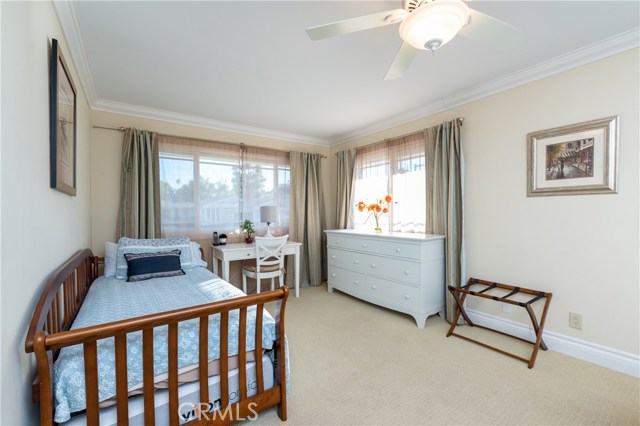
(306, 217)
(346, 163)
(139, 214)
(444, 199)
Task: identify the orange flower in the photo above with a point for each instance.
(376, 209)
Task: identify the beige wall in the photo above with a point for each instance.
(583, 248)
(105, 167)
(41, 227)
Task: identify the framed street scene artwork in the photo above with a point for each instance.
(577, 159)
(62, 126)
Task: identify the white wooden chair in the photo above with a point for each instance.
(269, 262)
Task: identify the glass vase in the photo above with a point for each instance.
(377, 229)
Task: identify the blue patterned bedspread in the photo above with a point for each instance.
(111, 300)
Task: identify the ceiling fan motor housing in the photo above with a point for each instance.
(433, 23)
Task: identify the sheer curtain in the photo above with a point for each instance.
(266, 180)
(200, 185)
(395, 167)
(307, 217)
(345, 165)
(444, 195)
(139, 212)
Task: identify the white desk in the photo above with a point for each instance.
(241, 251)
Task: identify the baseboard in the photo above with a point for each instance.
(603, 356)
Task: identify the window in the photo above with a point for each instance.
(208, 186)
(398, 168)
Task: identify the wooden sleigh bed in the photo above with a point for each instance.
(50, 331)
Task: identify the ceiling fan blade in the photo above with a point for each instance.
(401, 62)
(490, 30)
(360, 23)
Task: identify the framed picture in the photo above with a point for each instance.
(577, 159)
(62, 123)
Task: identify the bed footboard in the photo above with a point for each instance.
(46, 337)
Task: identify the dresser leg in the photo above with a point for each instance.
(329, 288)
(420, 320)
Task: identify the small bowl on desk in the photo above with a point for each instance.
(223, 239)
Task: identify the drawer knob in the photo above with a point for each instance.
(356, 282)
(337, 241)
(333, 257)
(407, 297)
(406, 272)
(356, 261)
(364, 245)
(333, 275)
(373, 287)
(248, 254)
(398, 250)
(373, 265)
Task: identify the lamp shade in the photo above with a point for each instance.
(434, 23)
(268, 214)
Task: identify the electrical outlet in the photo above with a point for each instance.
(575, 321)
(506, 308)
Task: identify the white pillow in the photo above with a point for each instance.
(196, 257)
(110, 255)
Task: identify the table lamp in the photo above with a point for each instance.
(269, 215)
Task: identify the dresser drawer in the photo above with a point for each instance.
(397, 249)
(393, 294)
(376, 246)
(393, 269)
(349, 260)
(353, 243)
(375, 290)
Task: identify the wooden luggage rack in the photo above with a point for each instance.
(460, 294)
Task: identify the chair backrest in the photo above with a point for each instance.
(270, 251)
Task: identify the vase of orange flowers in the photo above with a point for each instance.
(376, 210)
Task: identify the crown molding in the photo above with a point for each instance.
(68, 16)
(594, 52)
(208, 123)
(70, 23)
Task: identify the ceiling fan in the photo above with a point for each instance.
(424, 25)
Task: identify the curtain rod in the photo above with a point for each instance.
(459, 119)
(122, 129)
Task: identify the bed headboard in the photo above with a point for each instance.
(63, 295)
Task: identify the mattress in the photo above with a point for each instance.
(111, 300)
(188, 395)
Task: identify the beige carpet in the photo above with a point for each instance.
(353, 363)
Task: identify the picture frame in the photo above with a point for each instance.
(574, 160)
(62, 123)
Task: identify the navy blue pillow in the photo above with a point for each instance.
(144, 266)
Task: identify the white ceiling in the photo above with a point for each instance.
(249, 66)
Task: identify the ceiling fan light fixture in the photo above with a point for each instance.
(434, 23)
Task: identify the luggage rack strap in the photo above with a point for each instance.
(538, 295)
